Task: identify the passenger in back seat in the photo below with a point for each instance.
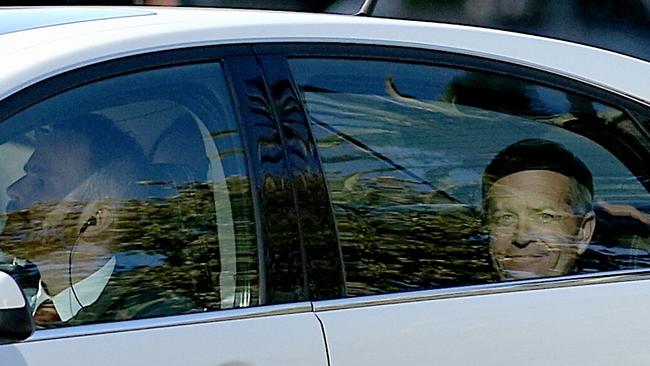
(537, 201)
(65, 218)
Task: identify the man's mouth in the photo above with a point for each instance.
(521, 260)
(516, 256)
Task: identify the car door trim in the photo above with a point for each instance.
(480, 290)
(171, 321)
(321, 253)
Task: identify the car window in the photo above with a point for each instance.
(443, 176)
(129, 198)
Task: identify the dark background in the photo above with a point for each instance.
(618, 25)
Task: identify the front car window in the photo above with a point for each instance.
(129, 198)
(443, 176)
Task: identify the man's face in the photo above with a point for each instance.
(534, 232)
(60, 162)
(41, 220)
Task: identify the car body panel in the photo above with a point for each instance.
(581, 323)
(598, 324)
(235, 342)
(31, 18)
(78, 44)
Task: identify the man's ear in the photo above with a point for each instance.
(586, 231)
(96, 219)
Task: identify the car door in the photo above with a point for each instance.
(411, 143)
(147, 201)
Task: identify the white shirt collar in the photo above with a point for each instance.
(87, 291)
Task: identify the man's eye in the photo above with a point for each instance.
(547, 218)
(505, 220)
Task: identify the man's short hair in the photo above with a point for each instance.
(107, 143)
(115, 156)
(539, 154)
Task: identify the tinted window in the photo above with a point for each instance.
(129, 198)
(406, 150)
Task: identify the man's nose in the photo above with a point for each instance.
(522, 236)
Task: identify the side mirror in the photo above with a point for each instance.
(16, 323)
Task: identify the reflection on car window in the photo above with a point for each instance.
(446, 177)
(128, 198)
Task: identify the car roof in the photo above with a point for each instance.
(34, 54)
(21, 19)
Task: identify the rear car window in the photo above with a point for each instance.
(443, 176)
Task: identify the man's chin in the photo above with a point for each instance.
(521, 267)
(518, 274)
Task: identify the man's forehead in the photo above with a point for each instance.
(528, 184)
(537, 154)
(533, 176)
(53, 145)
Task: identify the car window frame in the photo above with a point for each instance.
(638, 110)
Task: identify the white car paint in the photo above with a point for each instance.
(598, 324)
(8, 286)
(69, 46)
(245, 342)
(269, 335)
(530, 327)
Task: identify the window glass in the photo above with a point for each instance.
(444, 177)
(129, 198)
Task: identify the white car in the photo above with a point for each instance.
(241, 187)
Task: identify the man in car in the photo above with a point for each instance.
(63, 217)
(537, 200)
